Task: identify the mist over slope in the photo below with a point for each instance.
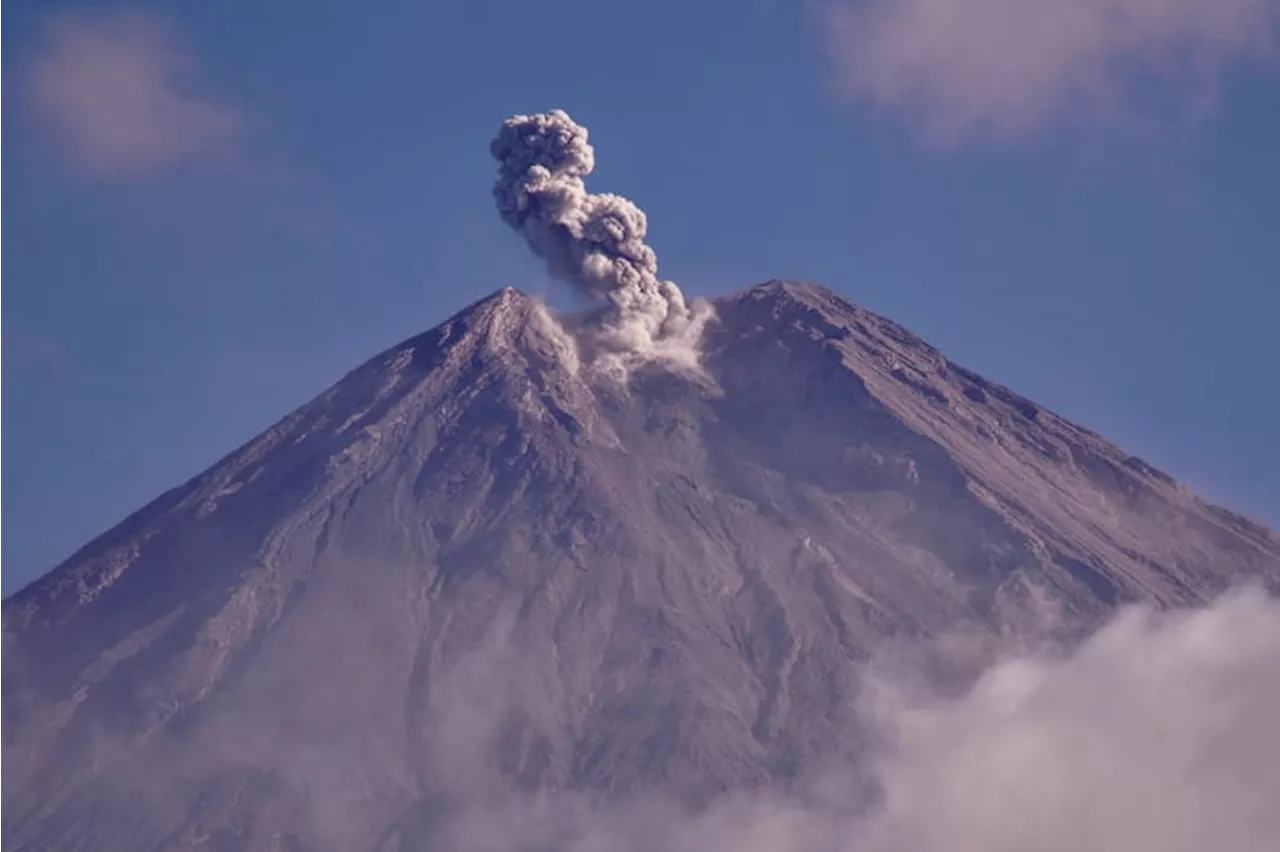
(476, 596)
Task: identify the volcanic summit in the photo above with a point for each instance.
(474, 570)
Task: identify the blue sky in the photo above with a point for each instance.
(216, 210)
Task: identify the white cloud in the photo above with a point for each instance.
(117, 88)
(1158, 734)
(960, 69)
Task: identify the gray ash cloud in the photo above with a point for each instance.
(594, 242)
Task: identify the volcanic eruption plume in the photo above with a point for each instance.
(596, 243)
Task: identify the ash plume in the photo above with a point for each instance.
(595, 243)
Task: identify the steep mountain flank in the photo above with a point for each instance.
(470, 568)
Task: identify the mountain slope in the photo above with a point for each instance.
(468, 569)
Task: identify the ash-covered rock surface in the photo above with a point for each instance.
(469, 570)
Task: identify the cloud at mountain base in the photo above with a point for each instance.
(1155, 735)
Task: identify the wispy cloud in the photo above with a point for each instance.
(960, 70)
(121, 92)
(1155, 734)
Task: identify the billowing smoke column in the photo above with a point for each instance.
(594, 242)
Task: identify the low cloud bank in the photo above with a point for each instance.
(1158, 734)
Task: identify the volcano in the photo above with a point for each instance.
(472, 570)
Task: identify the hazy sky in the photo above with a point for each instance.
(214, 210)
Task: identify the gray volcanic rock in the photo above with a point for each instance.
(467, 570)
